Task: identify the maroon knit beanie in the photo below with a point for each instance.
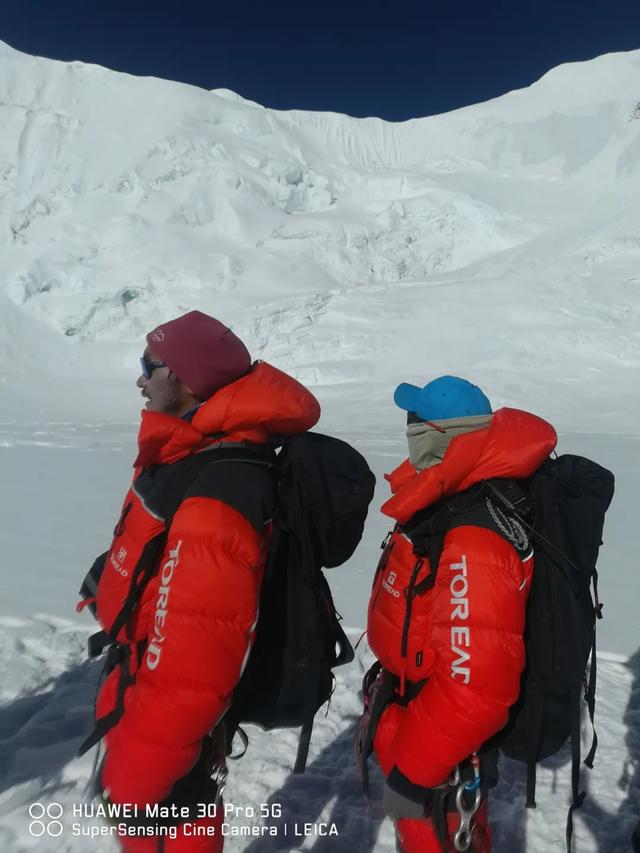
(201, 351)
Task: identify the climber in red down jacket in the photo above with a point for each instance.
(178, 589)
(449, 646)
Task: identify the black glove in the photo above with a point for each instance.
(403, 799)
(89, 586)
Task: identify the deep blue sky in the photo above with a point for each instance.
(392, 59)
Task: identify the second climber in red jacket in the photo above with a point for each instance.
(449, 644)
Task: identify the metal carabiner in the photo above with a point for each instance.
(462, 838)
(217, 760)
(454, 779)
(219, 776)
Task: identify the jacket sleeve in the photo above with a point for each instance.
(479, 601)
(203, 622)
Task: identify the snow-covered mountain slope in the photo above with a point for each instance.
(502, 238)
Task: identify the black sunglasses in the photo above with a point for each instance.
(149, 366)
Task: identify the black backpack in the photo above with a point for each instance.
(324, 488)
(560, 510)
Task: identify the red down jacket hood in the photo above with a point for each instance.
(264, 403)
(514, 444)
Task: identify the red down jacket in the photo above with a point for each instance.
(465, 635)
(192, 631)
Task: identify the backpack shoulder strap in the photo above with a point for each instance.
(493, 505)
(146, 565)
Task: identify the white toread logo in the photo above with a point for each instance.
(388, 585)
(460, 634)
(162, 608)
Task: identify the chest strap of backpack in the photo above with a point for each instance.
(119, 654)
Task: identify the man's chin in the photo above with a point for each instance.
(150, 406)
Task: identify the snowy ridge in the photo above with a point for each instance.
(126, 200)
(334, 241)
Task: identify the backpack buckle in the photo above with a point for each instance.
(509, 493)
(97, 643)
(116, 655)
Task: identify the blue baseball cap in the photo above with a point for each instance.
(443, 398)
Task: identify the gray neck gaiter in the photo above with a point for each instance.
(427, 445)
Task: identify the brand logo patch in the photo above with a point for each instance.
(117, 560)
(388, 585)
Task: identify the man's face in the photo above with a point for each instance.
(163, 390)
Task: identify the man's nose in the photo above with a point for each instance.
(141, 381)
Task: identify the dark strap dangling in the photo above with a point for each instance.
(532, 754)
(104, 724)
(303, 746)
(531, 785)
(590, 698)
(577, 796)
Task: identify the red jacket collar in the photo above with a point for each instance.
(264, 403)
(513, 445)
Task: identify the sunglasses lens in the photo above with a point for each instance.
(146, 372)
